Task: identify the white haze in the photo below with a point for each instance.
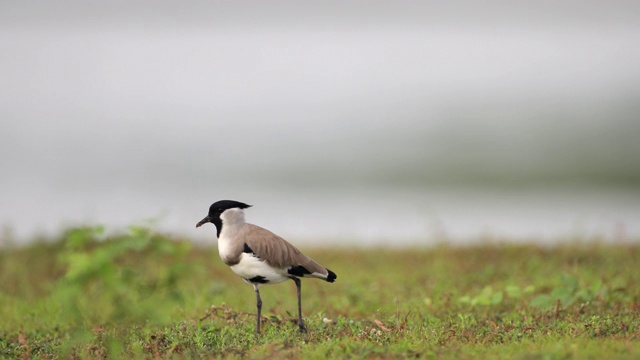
(366, 121)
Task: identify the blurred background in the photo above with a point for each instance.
(358, 122)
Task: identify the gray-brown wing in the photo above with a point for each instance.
(279, 253)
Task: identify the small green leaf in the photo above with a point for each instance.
(595, 287)
(584, 295)
(496, 298)
(569, 282)
(542, 301)
(513, 291)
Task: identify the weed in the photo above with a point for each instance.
(143, 295)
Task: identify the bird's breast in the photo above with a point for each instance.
(228, 253)
(251, 267)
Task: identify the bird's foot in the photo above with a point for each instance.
(302, 328)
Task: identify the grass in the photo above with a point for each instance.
(142, 295)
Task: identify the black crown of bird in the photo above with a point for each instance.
(259, 256)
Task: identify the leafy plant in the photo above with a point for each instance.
(489, 297)
(101, 270)
(569, 292)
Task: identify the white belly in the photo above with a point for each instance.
(250, 267)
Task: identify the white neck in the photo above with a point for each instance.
(232, 220)
(232, 217)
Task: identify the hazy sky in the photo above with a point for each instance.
(155, 97)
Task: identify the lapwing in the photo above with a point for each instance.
(259, 256)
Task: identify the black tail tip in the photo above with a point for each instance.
(331, 277)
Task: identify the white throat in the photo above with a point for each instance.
(232, 222)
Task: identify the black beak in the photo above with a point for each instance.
(206, 219)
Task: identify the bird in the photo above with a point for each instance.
(259, 256)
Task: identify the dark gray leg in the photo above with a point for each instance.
(300, 322)
(259, 306)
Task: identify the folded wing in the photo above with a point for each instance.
(279, 253)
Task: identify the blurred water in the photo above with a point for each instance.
(367, 122)
(356, 216)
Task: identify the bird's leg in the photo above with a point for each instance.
(259, 306)
(300, 322)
